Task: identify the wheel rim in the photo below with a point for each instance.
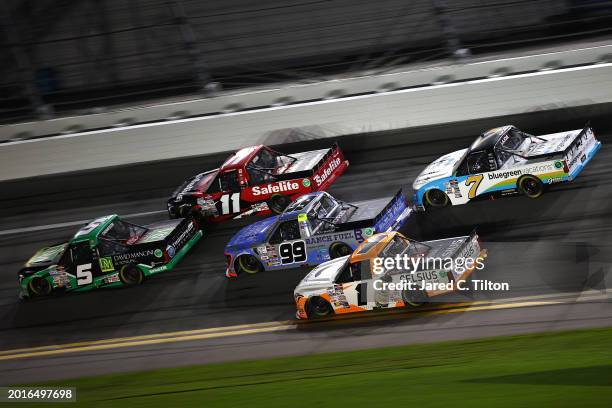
(531, 187)
(319, 307)
(414, 298)
(40, 286)
(436, 198)
(132, 276)
(248, 264)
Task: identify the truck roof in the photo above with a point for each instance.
(91, 231)
(240, 158)
(488, 139)
(309, 199)
(371, 247)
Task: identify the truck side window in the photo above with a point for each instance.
(361, 270)
(215, 186)
(345, 276)
(81, 253)
(107, 247)
(478, 162)
(229, 181)
(287, 231)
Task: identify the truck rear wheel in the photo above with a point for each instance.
(531, 186)
(318, 307)
(248, 264)
(415, 298)
(339, 249)
(39, 287)
(436, 198)
(131, 275)
(278, 202)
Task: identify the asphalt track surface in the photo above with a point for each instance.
(555, 252)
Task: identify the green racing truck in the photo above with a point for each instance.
(108, 252)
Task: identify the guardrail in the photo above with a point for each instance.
(296, 94)
(444, 103)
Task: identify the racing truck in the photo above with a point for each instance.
(505, 161)
(313, 229)
(354, 283)
(107, 252)
(256, 180)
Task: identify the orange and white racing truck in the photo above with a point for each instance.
(386, 271)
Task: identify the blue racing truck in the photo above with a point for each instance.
(313, 229)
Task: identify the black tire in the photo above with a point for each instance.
(131, 275)
(530, 186)
(248, 264)
(339, 249)
(39, 287)
(435, 198)
(414, 298)
(278, 202)
(317, 308)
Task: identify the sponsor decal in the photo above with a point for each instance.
(124, 258)
(554, 180)
(158, 253)
(319, 239)
(504, 175)
(189, 187)
(106, 264)
(368, 232)
(159, 269)
(302, 217)
(181, 237)
(170, 251)
(111, 278)
(327, 171)
(279, 187)
(306, 182)
(558, 164)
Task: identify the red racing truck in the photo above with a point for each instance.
(256, 180)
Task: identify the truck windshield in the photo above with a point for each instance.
(511, 141)
(265, 165)
(300, 203)
(403, 246)
(123, 231)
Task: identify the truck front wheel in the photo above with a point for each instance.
(318, 307)
(39, 287)
(436, 198)
(248, 264)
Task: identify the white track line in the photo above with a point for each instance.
(69, 224)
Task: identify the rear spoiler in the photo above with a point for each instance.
(333, 149)
(470, 237)
(584, 130)
(397, 197)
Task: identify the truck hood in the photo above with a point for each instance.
(198, 183)
(252, 235)
(440, 168)
(323, 275)
(46, 256)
